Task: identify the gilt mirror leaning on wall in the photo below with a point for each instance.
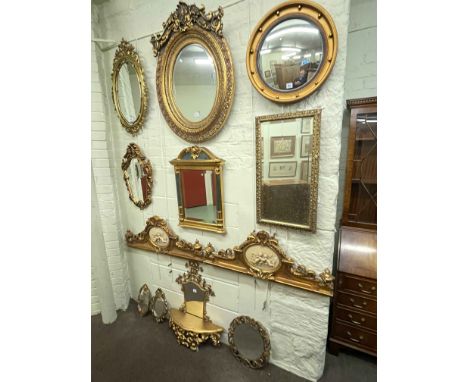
(287, 151)
(291, 51)
(194, 73)
(199, 182)
(129, 92)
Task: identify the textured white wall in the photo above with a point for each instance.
(297, 321)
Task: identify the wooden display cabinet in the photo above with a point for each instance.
(360, 199)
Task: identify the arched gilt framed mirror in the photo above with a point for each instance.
(199, 182)
(194, 75)
(292, 51)
(138, 176)
(129, 92)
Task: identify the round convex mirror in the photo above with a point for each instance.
(291, 54)
(129, 93)
(194, 82)
(249, 341)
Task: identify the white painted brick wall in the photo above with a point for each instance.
(102, 164)
(297, 321)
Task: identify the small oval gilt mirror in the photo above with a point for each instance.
(249, 341)
(144, 300)
(138, 176)
(159, 307)
(129, 92)
(291, 51)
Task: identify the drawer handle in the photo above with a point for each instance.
(350, 316)
(354, 339)
(366, 291)
(356, 305)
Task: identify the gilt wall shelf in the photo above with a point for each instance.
(258, 256)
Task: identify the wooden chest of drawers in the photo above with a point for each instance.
(354, 309)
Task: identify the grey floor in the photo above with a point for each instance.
(137, 349)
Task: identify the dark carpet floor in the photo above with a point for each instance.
(134, 349)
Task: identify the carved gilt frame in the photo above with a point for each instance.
(159, 295)
(315, 154)
(126, 54)
(264, 357)
(306, 10)
(199, 158)
(288, 273)
(134, 151)
(190, 24)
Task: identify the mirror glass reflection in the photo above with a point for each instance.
(136, 179)
(194, 82)
(291, 54)
(160, 307)
(249, 342)
(200, 195)
(128, 92)
(286, 170)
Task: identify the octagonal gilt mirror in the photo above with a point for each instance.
(199, 182)
(288, 148)
(194, 74)
(291, 51)
(138, 176)
(129, 92)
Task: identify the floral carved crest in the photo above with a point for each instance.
(184, 18)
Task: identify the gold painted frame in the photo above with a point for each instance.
(126, 53)
(306, 10)
(288, 273)
(190, 24)
(199, 158)
(264, 357)
(133, 151)
(315, 153)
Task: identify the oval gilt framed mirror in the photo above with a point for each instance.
(292, 51)
(159, 307)
(194, 74)
(138, 176)
(144, 300)
(249, 341)
(129, 92)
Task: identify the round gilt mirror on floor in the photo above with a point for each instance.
(194, 74)
(249, 341)
(291, 51)
(129, 92)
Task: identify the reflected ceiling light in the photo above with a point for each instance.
(297, 57)
(290, 50)
(307, 55)
(265, 51)
(292, 30)
(203, 61)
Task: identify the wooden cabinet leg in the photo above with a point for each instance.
(333, 348)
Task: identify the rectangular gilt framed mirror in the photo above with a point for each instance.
(199, 185)
(287, 150)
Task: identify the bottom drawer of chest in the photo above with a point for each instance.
(355, 336)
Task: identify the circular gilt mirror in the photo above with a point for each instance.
(129, 92)
(249, 341)
(194, 73)
(292, 51)
(159, 307)
(194, 83)
(144, 300)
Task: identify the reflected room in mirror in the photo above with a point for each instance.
(287, 178)
(194, 82)
(291, 51)
(138, 176)
(199, 189)
(128, 90)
